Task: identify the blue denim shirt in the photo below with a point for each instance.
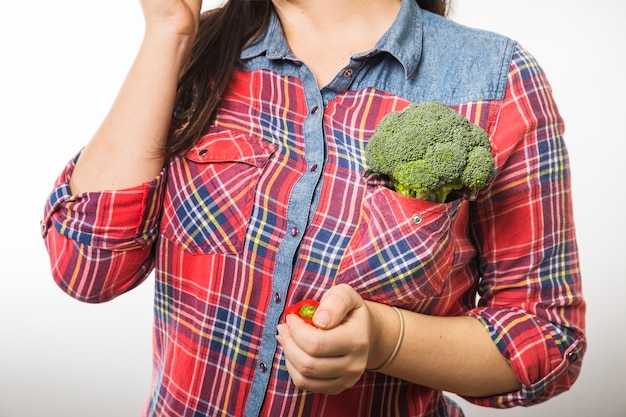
(408, 61)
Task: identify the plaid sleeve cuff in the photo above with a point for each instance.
(113, 220)
(545, 359)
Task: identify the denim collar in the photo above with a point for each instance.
(403, 40)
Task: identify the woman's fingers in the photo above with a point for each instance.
(320, 360)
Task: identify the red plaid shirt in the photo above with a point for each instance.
(271, 206)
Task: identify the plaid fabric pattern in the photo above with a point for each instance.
(216, 224)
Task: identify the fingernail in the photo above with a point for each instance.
(322, 318)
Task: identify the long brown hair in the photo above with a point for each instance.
(222, 35)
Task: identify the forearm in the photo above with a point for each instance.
(455, 354)
(124, 152)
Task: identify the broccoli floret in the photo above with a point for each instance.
(428, 150)
(415, 179)
(479, 169)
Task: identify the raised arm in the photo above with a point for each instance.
(99, 229)
(124, 152)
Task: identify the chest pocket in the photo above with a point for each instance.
(210, 192)
(401, 253)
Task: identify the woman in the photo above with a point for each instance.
(232, 164)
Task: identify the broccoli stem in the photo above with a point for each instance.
(411, 192)
(441, 195)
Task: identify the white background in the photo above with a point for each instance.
(61, 65)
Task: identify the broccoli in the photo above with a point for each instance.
(429, 150)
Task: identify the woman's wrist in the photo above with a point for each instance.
(386, 335)
(396, 348)
(174, 46)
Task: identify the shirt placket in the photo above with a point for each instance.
(301, 202)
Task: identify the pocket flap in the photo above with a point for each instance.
(230, 146)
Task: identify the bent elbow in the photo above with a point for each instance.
(94, 275)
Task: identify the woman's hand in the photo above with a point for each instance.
(332, 356)
(175, 17)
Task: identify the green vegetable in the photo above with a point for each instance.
(429, 150)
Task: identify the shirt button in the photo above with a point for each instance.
(347, 73)
(263, 367)
(314, 110)
(203, 152)
(572, 356)
(295, 231)
(277, 298)
(417, 218)
(314, 168)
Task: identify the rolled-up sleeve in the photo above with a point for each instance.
(100, 243)
(531, 299)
